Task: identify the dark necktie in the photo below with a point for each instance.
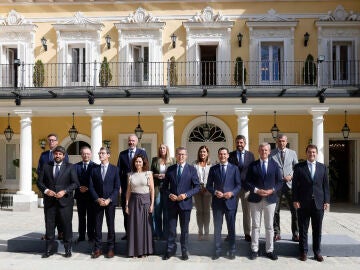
(263, 168)
(179, 172)
(241, 163)
(57, 171)
(282, 155)
(131, 154)
(223, 172)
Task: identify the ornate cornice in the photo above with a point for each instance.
(79, 22)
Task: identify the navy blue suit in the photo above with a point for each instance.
(272, 180)
(85, 204)
(188, 184)
(107, 189)
(312, 195)
(222, 206)
(46, 157)
(124, 165)
(58, 210)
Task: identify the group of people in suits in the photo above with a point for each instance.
(236, 175)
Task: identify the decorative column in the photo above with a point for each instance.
(318, 130)
(25, 199)
(96, 132)
(243, 123)
(168, 128)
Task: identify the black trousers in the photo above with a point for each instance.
(316, 216)
(287, 192)
(110, 221)
(86, 215)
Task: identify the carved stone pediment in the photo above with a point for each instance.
(140, 16)
(208, 15)
(15, 23)
(13, 18)
(340, 14)
(272, 16)
(79, 22)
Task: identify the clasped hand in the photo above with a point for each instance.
(264, 192)
(57, 195)
(223, 195)
(178, 198)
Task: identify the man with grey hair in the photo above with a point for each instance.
(286, 159)
(264, 181)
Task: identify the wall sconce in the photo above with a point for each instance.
(42, 143)
(240, 37)
(320, 58)
(8, 132)
(306, 39)
(107, 143)
(43, 42)
(206, 128)
(138, 130)
(166, 97)
(345, 130)
(173, 40)
(243, 97)
(274, 130)
(108, 39)
(73, 131)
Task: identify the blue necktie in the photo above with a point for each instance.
(241, 163)
(222, 172)
(179, 172)
(57, 171)
(263, 168)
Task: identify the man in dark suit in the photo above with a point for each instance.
(180, 184)
(104, 189)
(124, 165)
(57, 181)
(286, 159)
(224, 183)
(311, 197)
(242, 159)
(45, 158)
(264, 181)
(85, 204)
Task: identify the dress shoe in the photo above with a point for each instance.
(124, 237)
(47, 254)
(184, 256)
(166, 256)
(295, 238)
(231, 256)
(247, 238)
(253, 255)
(110, 254)
(215, 257)
(303, 257)
(96, 254)
(67, 254)
(272, 256)
(319, 258)
(277, 237)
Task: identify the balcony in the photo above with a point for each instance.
(185, 79)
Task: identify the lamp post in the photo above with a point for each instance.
(73, 132)
(274, 130)
(345, 130)
(8, 132)
(138, 130)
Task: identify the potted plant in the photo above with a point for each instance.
(105, 75)
(38, 74)
(173, 72)
(309, 70)
(238, 72)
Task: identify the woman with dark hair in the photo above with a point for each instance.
(159, 166)
(203, 198)
(139, 207)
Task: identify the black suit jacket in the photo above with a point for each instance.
(47, 157)
(124, 165)
(107, 189)
(67, 180)
(84, 178)
(272, 180)
(304, 188)
(248, 159)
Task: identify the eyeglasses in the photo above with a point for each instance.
(102, 153)
(52, 140)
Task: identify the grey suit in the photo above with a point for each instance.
(286, 168)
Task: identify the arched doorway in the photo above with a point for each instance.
(73, 147)
(219, 136)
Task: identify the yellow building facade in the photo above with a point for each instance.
(177, 63)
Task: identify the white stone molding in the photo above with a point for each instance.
(271, 16)
(208, 15)
(340, 14)
(13, 18)
(243, 123)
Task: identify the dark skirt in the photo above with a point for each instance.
(139, 231)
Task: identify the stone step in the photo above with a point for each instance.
(332, 245)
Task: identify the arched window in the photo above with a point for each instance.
(74, 148)
(215, 134)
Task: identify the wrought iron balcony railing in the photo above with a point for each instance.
(202, 74)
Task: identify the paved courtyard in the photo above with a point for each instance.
(341, 220)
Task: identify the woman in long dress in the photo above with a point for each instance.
(203, 198)
(159, 166)
(139, 207)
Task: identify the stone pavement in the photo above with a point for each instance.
(343, 220)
